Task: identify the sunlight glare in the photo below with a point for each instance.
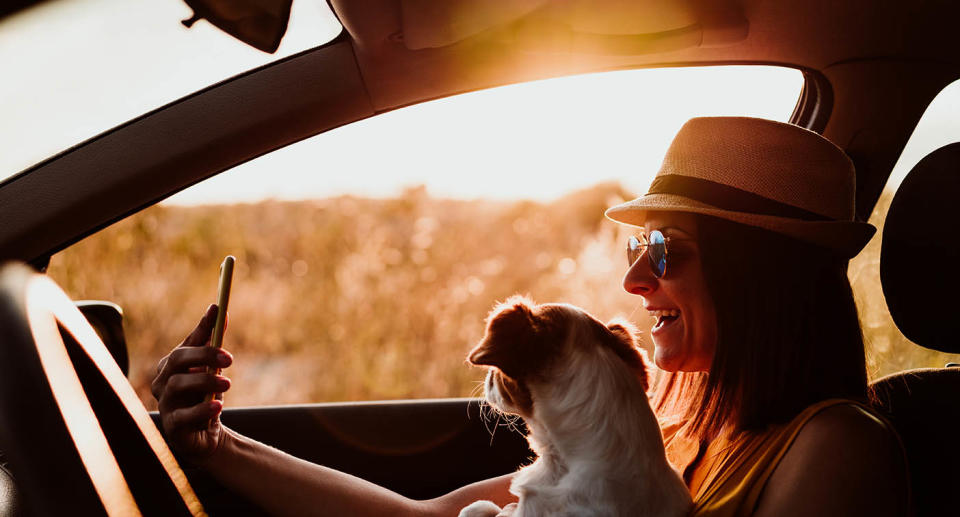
(536, 140)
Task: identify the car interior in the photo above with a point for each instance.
(76, 439)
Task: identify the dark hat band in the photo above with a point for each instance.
(728, 198)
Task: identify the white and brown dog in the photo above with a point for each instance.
(580, 386)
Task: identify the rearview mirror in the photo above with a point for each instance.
(258, 23)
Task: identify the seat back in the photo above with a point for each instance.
(924, 406)
(921, 281)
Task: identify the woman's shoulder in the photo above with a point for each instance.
(847, 422)
(845, 425)
(845, 460)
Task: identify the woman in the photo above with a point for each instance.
(746, 233)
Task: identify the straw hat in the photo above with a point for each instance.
(761, 173)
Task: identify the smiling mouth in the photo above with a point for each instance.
(665, 318)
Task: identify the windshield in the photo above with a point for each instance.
(75, 68)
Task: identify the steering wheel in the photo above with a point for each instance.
(76, 437)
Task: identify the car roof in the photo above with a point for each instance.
(871, 69)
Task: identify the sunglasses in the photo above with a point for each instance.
(656, 247)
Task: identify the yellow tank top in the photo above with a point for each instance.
(729, 478)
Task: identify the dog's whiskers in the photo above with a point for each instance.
(487, 412)
(475, 394)
(477, 390)
(511, 423)
(494, 430)
(634, 311)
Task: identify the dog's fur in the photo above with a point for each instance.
(580, 386)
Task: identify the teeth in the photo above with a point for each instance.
(659, 314)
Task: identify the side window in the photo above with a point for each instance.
(369, 256)
(888, 350)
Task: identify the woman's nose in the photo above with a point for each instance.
(639, 278)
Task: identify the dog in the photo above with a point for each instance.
(580, 386)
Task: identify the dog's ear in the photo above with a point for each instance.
(624, 344)
(510, 325)
(624, 330)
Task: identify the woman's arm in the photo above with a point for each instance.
(280, 483)
(285, 485)
(843, 462)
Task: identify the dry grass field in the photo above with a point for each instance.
(362, 299)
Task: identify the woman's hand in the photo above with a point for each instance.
(192, 425)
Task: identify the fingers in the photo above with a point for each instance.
(187, 389)
(201, 333)
(199, 336)
(185, 360)
(193, 418)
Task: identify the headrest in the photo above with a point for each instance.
(920, 253)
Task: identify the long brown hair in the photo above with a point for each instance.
(788, 333)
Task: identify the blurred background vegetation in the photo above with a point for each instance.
(350, 298)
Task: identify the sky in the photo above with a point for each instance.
(75, 68)
(80, 67)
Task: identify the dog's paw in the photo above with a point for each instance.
(480, 509)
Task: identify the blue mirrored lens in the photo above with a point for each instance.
(657, 253)
(634, 249)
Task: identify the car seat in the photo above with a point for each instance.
(920, 274)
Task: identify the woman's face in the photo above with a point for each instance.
(685, 329)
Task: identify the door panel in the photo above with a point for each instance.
(421, 449)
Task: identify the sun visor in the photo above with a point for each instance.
(258, 23)
(590, 26)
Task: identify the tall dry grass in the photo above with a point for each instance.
(357, 299)
(346, 298)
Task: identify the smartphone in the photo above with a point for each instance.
(223, 297)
